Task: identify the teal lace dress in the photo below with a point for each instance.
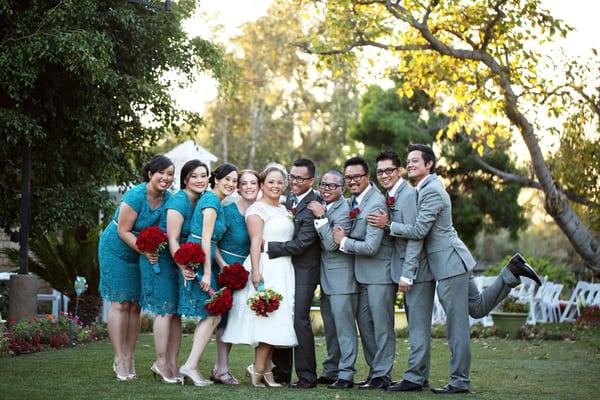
(120, 264)
(191, 297)
(160, 283)
(234, 246)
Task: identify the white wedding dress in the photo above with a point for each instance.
(277, 329)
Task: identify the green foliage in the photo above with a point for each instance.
(544, 266)
(479, 201)
(76, 80)
(58, 258)
(510, 304)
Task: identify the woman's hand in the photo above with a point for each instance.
(153, 258)
(256, 278)
(205, 282)
(187, 273)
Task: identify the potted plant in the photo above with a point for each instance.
(511, 316)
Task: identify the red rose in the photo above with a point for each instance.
(354, 213)
(264, 301)
(293, 211)
(151, 240)
(233, 276)
(390, 201)
(190, 255)
(220, 302)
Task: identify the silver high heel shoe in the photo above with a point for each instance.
(269, 379)
(156, 371)
(194, 376)
(120, 378)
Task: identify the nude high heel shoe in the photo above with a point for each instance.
(194, 376)
(255, 377)
(156, 371)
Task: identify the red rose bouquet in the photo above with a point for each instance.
(220, 301)
(353, 214)
(264, 301)
(190, 255)
(233, 276)
(152, 240)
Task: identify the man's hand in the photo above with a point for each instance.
(317, 209)
(338, 234)
(404, 287)
(378, 219)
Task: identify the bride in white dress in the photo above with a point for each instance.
(266, 220)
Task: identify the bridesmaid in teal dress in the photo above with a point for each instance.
(119, 259)
(207, 227)
(234, 247)
(160, 289)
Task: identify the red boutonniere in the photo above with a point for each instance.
(354, 213)
(390, 202)
(292, 214)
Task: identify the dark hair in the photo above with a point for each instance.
(337, 173)
(304, 162)
(221, 172)
(357, 161)
(267, 171)
(389, 155)
(249, 172)
(156, 163)
(187, 170)
(426, 151)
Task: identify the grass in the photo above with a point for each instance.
(501, 369)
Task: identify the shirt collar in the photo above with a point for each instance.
(422, 182)
(394, 189)
(361, 196)
(301, 196)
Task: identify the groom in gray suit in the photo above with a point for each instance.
(372, 250)
(339, 289)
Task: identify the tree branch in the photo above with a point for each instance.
(508, 177)
(488, 29)
(361, 42)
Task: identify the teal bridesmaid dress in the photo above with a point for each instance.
(120, 279)
(160, 288)
(192, 298)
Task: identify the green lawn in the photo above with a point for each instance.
(501, 369)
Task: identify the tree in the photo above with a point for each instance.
(480, 58)
(478, 203)
(281, 107)
(77, 79)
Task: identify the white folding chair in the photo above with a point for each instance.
(546, 302)
(438, 316)
(570, 308)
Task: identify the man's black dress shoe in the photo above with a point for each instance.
(449, 389)
(405, 386)
(363, 382)
(519, 267)
(341, 384)
(325, 380)
(303, 384)
(376, 383)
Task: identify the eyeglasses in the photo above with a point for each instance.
(298, 179)
(387, 171)
(355, 178)
(329, 186)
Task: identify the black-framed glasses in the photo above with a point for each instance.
(298, 179)
(329, 186)
(355, 178)
(387, 171)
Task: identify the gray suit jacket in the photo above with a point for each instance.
(371, 247)
(434, 224)
(337, 268)
(409, 258)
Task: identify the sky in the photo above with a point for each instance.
(228, 15)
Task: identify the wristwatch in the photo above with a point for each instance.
(388, 226)
(320, 217)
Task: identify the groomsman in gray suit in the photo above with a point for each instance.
(409, 270)
(372, 250)
(450, 263)
(339, 289)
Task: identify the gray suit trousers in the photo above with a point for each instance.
(453, 294)
(419, 304)
(376, 326)
(481, 303)
(339, 321)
